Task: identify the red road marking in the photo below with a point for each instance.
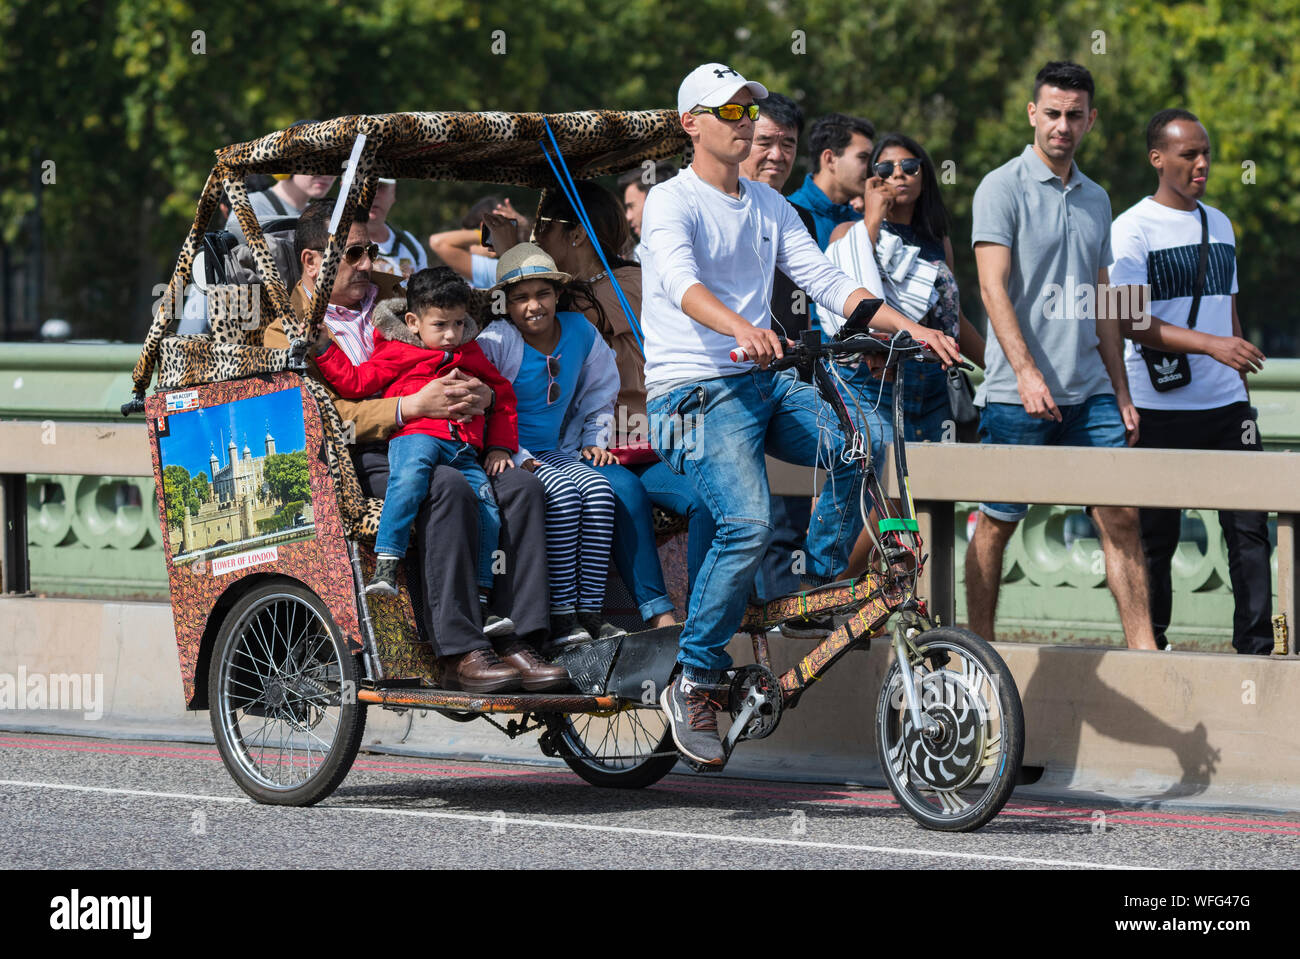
(829, 795)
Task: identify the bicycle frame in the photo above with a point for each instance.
(875, 596)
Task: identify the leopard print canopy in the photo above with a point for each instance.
(502, 148)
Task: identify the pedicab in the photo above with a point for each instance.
(267, 553)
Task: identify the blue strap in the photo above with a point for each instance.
(571, 194)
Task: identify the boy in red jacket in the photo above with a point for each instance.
(410, 352)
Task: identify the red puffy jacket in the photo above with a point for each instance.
(400, 369)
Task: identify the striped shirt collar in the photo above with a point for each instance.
(354, 329)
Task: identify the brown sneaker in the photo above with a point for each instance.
(538, 675)
(478, 671)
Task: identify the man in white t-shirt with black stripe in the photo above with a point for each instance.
(711, 243)
(1187, 362)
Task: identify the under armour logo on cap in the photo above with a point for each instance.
(726, 71)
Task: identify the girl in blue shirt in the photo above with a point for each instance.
(566, 384)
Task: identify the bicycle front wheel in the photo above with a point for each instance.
(956, 773)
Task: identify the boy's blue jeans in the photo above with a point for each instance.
(411, 459)
(716, 433)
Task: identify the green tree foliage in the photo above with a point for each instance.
(288, 476)
(117, 93)
(176, 493)
(202, 488)
(282, 518)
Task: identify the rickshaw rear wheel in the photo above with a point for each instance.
(282, 696)
(629, 749)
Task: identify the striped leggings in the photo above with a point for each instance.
(579, 531)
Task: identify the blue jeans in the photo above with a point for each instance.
(876, 416)
(715, 433)
(673, 492)
(1094, 422)
(635, 554)
(926, 408)
(411, 460)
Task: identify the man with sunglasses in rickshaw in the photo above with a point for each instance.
(711, 242)
(444, 561)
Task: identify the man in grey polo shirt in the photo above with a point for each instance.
(1055, 372)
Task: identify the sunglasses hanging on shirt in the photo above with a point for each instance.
(552, 387)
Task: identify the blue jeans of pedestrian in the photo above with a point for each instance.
(926, 409)
(1094, 422)
(411, 461)
(715, 433)
(869, 409)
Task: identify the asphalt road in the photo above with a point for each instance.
(74, 803)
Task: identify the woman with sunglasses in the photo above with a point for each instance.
(565, 382)
(901, 248)
(640, 479)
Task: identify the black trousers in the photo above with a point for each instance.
(444, 553)
(775, 576)
(1245, 531)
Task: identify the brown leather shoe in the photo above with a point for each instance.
(538, 675)
(478, 671)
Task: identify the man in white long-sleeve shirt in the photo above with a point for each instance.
(710, 243)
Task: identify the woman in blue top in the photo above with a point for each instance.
(565, 383)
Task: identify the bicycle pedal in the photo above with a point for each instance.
(702, 767)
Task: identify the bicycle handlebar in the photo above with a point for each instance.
(901, 345)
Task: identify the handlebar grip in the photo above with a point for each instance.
(739, 355)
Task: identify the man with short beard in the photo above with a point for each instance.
(839, 148)
(1054, 372)
(400, 253)
(632, 188)
(1187, 366)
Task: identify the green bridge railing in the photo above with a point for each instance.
(98, 536)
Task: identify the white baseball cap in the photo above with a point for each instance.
(712, 85)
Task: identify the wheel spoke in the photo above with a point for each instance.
(291, 652)
(952, 804)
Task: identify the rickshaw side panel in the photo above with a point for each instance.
(402, 654)
(201, 573)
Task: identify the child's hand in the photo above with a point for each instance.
(497, 462)
(598, 455)
(530, 465)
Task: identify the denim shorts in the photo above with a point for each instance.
(1094, 422)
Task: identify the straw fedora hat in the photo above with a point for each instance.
(527, 261)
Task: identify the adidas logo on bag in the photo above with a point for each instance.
(1166, 367)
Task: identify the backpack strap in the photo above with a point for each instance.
(1199, 288)
(275, 202)
(406, 241)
